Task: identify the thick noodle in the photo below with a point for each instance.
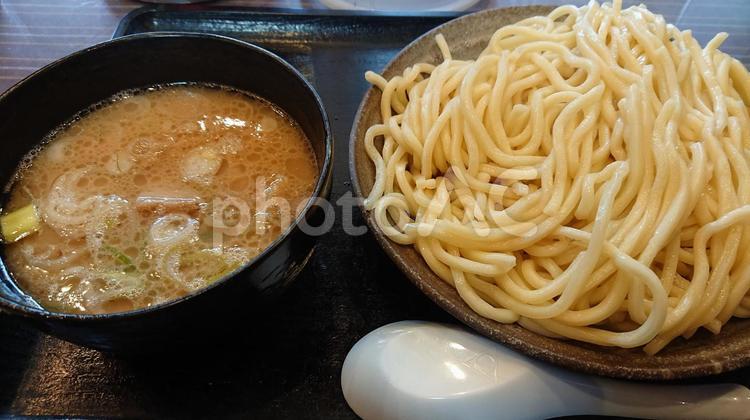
(587, 176)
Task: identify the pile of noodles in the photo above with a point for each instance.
(586, 176)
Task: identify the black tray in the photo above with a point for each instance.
(287, 362)
(331, 48)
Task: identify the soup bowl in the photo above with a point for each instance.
(54, 94)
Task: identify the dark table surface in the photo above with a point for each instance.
(286, 359)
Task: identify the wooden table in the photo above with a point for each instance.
(40, 375)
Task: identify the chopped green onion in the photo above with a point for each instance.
(121, 258)
(215, 265)
(19, 224)
(226, 269)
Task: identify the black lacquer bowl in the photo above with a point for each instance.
(57, 92)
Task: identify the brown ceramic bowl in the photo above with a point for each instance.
(704, 354)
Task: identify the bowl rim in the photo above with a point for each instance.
(509, 334)
(324, 173)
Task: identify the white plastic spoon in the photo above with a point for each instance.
(423, 370)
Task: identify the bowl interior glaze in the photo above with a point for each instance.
(704, 354)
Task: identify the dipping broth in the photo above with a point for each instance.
(155, 194)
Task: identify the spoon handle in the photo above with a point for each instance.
(711, 401)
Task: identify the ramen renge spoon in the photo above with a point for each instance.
(423, 370)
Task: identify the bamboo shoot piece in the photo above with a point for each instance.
(19, 224)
